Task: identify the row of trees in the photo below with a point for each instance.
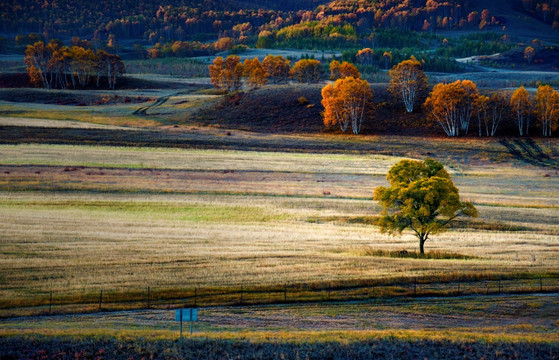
(227, 74)
(56, 66)
(348, 101)
(453, 106)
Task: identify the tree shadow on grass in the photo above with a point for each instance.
(530, 152)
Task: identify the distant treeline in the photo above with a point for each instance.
(545, 10)
(203, 20)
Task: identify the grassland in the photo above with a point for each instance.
(78, 219)
(120, 193)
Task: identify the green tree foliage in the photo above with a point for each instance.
(475, 44)
(422, 198)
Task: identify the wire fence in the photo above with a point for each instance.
(161, 298)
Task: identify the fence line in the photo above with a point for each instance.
(150, 297)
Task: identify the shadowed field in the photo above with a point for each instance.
(512, 317)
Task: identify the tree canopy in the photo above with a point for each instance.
(421, 197)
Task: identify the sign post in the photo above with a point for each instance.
(190, 314)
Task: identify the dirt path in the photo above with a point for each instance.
(48, 123)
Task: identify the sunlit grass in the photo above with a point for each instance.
(80, 219)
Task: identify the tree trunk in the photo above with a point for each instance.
(421, 243)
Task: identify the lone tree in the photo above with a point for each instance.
(421, 197)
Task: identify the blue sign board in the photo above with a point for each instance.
(186, 314)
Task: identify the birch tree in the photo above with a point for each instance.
(452, 106)
(547, 106)
(347, 102)
(490, 113)
(523, 108)
(408, 82)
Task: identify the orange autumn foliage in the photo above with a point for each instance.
(452, 106)
(347, 102)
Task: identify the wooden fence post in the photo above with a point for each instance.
(541, 284)
(100, 299)
(285, 292)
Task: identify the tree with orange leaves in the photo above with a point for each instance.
(343, 70)
(387, 56)
(452, 106)
(349, 70)
(365, 56)
(82, 64)
(254, 71)
(335, 70)
(277, 68)
(36, 59)
(529, 54)
(523, 107)
(547, 107)
(224, 44)
(215, 72)
(347, 102)
(408, 82)
(307, 71)
(226, 75)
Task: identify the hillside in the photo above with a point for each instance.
(245, 20)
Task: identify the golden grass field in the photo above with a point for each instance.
(79, 219)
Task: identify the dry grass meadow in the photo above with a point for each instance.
(79, 219)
